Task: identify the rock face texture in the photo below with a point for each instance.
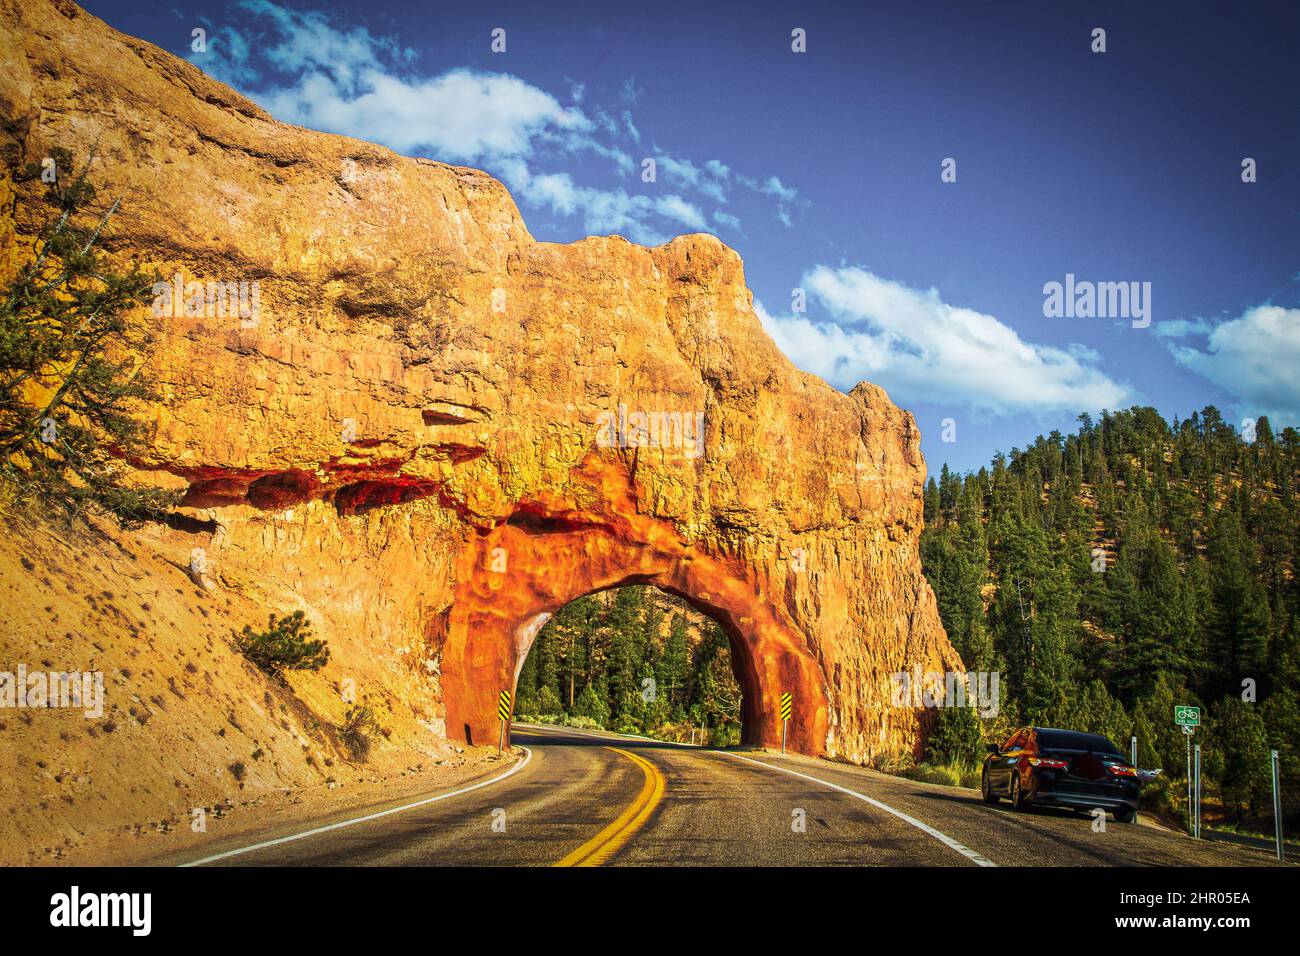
(433, 430)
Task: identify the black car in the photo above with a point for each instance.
(1064, 768)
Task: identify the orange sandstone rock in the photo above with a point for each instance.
(436, 430)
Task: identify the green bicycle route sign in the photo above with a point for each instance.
(1187, 716)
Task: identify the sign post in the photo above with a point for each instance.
(1133, 752)
(1198, 792)
(1277, 803)
(1189, 718)
(503, 711)
(787, 708)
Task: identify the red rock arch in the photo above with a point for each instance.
(380, 303)
(550, 552)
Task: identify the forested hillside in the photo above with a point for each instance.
(1116, 571)
(1106, 575)
(634, 660)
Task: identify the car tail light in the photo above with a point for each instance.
(1120, 770)
(1048, 762)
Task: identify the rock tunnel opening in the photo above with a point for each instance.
(513, 576)
(636, 659)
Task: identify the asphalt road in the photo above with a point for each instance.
(577, 798)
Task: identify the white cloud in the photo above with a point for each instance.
(602, 210)
(318, 72)
(679, 210)
(461, 116)
(774, 187)
(784, 195)
(726, 219)
(922, 349)
(707, 180)
(630, 126)
(1255, 358)
(1180, 328)
(345, 80)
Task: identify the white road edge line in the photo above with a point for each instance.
(943, 838)
(528, 755)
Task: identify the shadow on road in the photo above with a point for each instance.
(565, 736)
(1002, 806)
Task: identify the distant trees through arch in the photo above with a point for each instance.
(634, 660)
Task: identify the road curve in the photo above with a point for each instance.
(591, 799)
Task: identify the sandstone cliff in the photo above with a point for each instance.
(408, 440)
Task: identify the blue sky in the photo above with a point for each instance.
(823, 169)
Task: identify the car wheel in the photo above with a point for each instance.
(1125, 815)
(1017, 794)
(986, 791)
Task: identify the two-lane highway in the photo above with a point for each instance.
(578, 798)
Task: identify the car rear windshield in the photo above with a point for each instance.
(1073, 740)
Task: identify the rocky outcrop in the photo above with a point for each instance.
(431, 431)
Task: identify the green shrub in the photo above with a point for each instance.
(593, 707)
(356, 731)
(726, 735)
(956, 739)
(930, 773)
(548, 701)
(286, 644)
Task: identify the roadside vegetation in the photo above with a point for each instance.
(357, 732)
(1115, 572)
(285, 645)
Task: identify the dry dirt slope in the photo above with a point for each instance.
(187, 722)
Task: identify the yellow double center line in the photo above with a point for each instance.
(609, 840)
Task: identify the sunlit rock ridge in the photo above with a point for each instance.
(434, 430)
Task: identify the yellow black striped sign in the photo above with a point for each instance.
(503, 705)
(787, 705)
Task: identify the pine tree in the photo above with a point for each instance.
(715, 695)
(674, 664)
(1239, 622)
(592, 705)
(71, 363)
(1242, 738)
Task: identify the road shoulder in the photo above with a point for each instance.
(278, 813)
